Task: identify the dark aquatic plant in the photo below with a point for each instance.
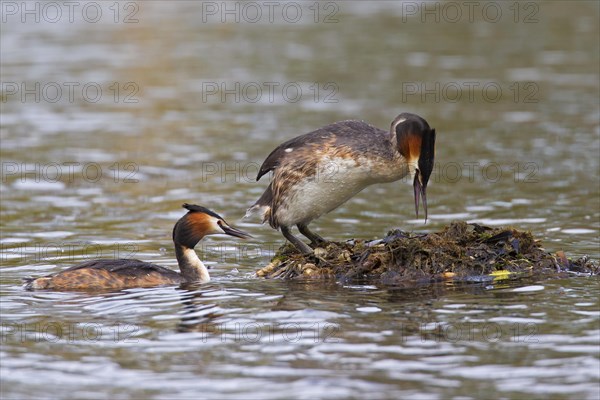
(460, 252)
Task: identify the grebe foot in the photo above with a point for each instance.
(299, 244)
(313, 237)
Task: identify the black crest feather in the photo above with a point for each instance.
(197, 208)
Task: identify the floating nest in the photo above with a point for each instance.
(461, 252)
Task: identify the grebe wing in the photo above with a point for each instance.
(339, 133)
(125, 266)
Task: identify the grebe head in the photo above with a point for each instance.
(416, 143)
(200, 222)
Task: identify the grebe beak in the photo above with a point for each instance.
(230, 230)
(420, 192)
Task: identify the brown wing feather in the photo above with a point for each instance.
(338, 134)
(107, 274)
(124, 266)
(341, 139)
(276, 157)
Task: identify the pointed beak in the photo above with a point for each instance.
(420, 192)
(234, 231)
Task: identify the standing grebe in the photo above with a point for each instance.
(317, 172)
(128, 273)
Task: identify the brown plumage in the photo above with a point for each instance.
(127, 273)
(107, 274)
(317, 172)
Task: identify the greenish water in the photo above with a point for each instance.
(108, 127)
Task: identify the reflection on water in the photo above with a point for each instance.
(229, 338)
(108, 127)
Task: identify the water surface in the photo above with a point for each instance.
(187, 110)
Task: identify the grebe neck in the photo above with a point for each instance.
(191, 267)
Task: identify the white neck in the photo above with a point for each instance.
(191, 267)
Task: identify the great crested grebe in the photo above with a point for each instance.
(127, 273)
(316, 172)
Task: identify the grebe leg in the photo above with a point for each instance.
(313, 237)
(300, 245)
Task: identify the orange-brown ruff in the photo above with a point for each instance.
(315, 173)
(127, 273)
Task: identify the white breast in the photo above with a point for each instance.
(337, 180)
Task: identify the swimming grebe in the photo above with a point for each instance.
(315, 173)
(127, 273)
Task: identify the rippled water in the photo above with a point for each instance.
(179, 107)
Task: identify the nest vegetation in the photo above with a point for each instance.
(460, 252)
